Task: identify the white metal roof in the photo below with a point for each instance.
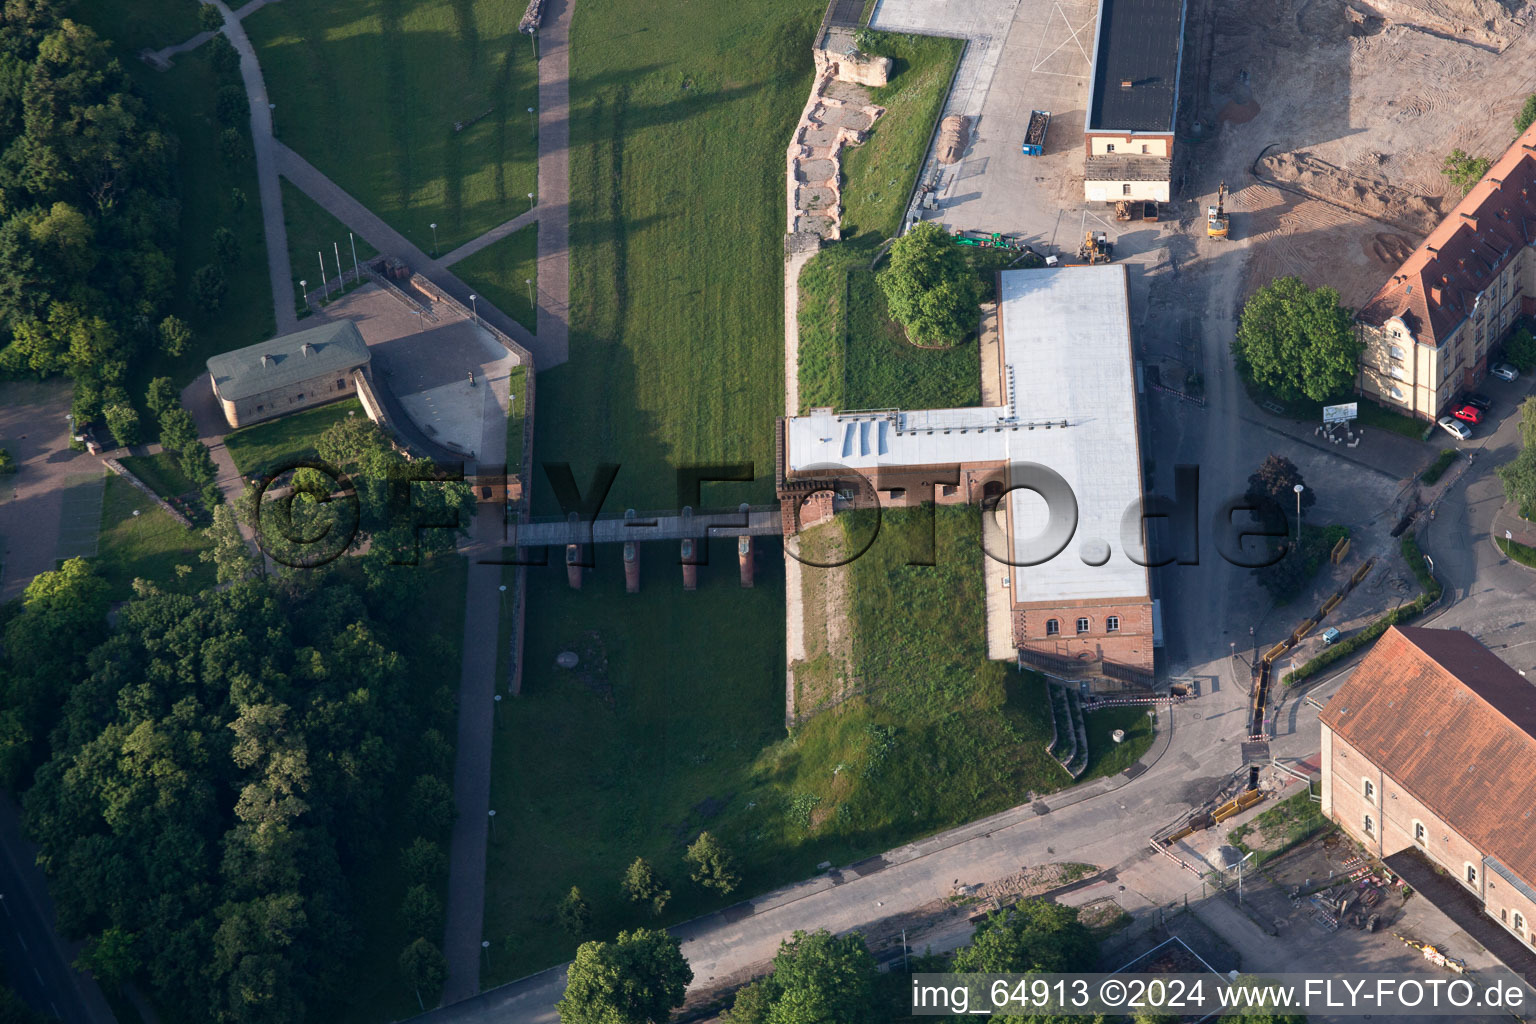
(1070, 405)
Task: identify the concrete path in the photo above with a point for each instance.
(162, 58)
(492, 236)
(263, 143)
(554, 195)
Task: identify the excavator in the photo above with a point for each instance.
(1096, 249)
(1216, 220)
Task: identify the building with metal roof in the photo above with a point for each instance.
(1066, 427)
(286, 374)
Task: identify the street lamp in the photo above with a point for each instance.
(532, 118)
(272, 115)
(497, 698)
(530, 201)
(529, 282)
(434, 239)
(475, 311)
(485, 946)
(1298, 489)
(304, 291)
(492, 816)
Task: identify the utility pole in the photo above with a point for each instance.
(324, 283)
(353, 241)
(434, 239)
(341, 277)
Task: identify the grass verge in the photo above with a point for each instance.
(311, 232)
(162, 473)
(260, 448)
(884, 371)
(1522, 553)
(399, 78)
(1437, 468)
(501, 272)
(1105, 756)
(879, 174)
(1283, 827)
(1370, 414)
(148, 545)
(141, 25)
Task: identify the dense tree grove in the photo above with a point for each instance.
(88, 210)
(214, 775)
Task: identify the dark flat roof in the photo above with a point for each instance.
(1137, 41)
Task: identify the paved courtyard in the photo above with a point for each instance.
(34, 429)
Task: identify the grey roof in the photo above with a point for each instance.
(1137, 41)
(329, 348)
(1127, 167)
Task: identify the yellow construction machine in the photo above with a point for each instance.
(1216, 216)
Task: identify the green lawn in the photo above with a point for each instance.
(1291, 821)
(517, 392)
(149, 545)
(885, 371)
(878, 176)
(142, 24)
(311, 230)
(501, 272)
(269, 445)
(161, 472)
(1105, 756)
(673, 721)
(184, 96)
(1522, 553)
(370, 92)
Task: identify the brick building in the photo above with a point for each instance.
(1133, 101)
(1429, 750)
(1065, 375)
(1429, 331)
(283, 375)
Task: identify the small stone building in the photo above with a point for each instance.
(283, 375)
(1429, 754)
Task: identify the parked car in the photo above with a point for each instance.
(1454, 426)
(1469, 413)
(1479, 401)
(1505, 371)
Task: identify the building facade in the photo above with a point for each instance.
(1428, 334)
(1133, 101)
(290, 373)
(1064, 443)
(1430, 746)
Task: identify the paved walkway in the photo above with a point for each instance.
(554, 196)
(492, 236)
(271, 190)
(162, 58)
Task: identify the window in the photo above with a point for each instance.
(1370, 826)
(260, 407)
(1397, 352)
(1125, 189)
(299, 397)
(1418, 832)
(1368, 788)
(1144, 147)
(1519, 922)
(1109, 147)
(340, 384)
(1082, 625)
(1397, 373)
(1471, 875)
(1052, 627)
(1112, 624)
(1397, 392)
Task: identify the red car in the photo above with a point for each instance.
(1470, 413)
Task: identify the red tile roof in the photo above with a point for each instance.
(1456, 727)
(1436, 286)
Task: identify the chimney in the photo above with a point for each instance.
(1435, 294)
(307, 349)
(266, 360)
(1470, 218)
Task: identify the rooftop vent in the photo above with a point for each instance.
(307, 349)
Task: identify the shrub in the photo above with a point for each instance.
(1437, 468)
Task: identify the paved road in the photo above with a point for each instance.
(36, 959)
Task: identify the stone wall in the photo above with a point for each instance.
(123, 471)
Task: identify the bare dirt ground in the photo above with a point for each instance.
(1353, 109)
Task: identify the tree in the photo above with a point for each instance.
(817, 978)
(210, 18)
(573, 913)
(421, 911)
(223, 56)
(431, 805)
(209, 288)
(175, 334)
(1035, 935)
(1277, 479)
(122, 423)
(1296, 342)
(231, 106)
(177, 431)
(424, 968)
(1519, 475)
(930, 289)
(232, 146)
(424, 861)
(1527, 115)
(713, 866)
(226, 246)
(642, 885)
(161, 396)
(230, 554)
(639, 978)
(1520, 349)
(110, 956)
(1464, 171)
